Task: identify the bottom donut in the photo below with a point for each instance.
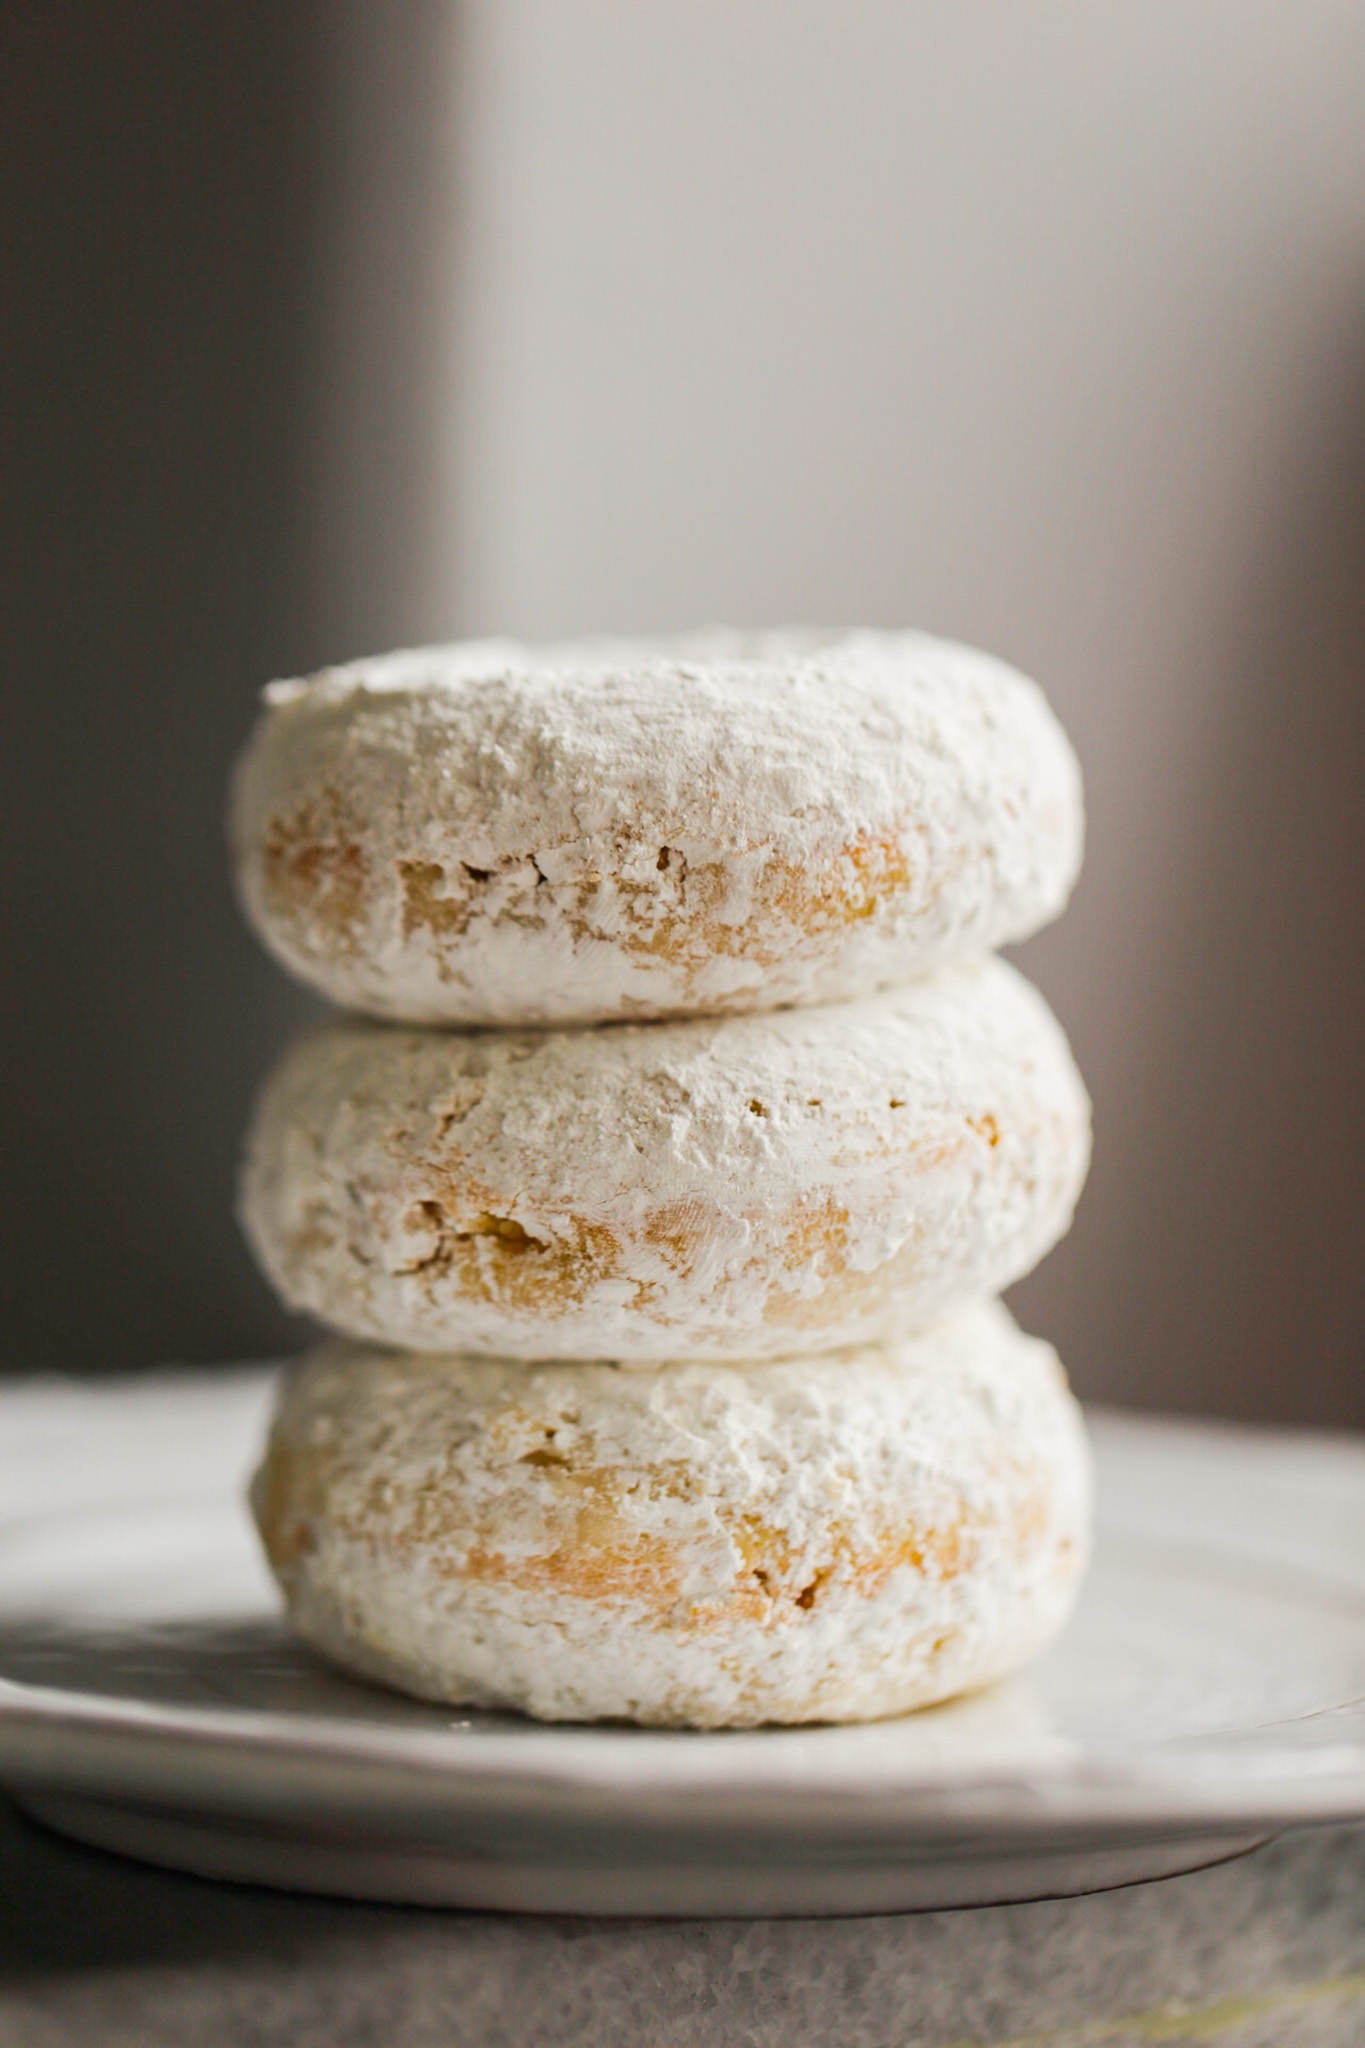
(837, 1538)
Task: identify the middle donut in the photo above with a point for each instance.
(714, 1188)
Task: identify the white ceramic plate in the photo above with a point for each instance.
(1210, 1691)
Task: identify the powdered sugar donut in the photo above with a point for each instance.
(833, 1539)
(486, 834)
(715, 1187)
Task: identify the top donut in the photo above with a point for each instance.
(492, 834)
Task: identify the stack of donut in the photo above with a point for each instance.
(661, 1179)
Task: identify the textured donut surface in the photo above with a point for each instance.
(711, 1187)
(488, 834)
(712, 1545)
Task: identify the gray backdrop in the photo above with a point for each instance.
(330, 326)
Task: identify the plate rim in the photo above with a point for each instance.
(57, 1739)
(68, 1739)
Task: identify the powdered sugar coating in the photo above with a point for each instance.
(715, 1187)
(489, 834)
(710, 1545)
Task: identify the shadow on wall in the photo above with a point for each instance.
(158, 215)
(169, 345)
(220, 472)
(1231, 1275)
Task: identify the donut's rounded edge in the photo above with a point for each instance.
(707, 1546)
(490, 835)
(749, 1186)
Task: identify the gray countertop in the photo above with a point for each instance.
(1265, 1952)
